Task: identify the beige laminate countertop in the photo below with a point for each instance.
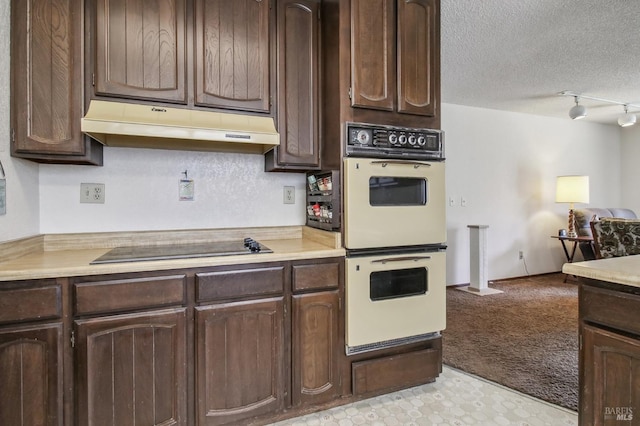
(621, 270)
(307, 244)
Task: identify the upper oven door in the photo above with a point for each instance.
(390, 203)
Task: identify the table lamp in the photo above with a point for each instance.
(572, 189)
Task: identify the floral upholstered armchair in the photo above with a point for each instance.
(587, 215)
(613, 237)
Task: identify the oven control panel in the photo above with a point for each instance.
(380, 141)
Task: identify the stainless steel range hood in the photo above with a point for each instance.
(146, 126)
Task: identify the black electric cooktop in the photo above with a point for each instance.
(182, 251)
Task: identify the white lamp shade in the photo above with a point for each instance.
(572, 189)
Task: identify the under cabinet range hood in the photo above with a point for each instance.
(146, 126)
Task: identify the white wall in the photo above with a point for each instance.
(505, 165)
(141, 193)
(22, 218)
(630, 168)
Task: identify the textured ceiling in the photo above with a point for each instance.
(516, 55)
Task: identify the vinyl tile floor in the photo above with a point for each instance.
(455, 398)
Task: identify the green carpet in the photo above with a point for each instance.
(525, 338)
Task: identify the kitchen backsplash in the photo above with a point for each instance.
(141, 193)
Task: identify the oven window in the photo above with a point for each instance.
(394, 284)
(397, 191)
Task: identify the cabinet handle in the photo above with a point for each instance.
(415, 164)
(401, 259)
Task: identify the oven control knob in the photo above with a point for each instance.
(421, 140)
(393, 139)
(363, 137)
(402, 139)
(412, 139)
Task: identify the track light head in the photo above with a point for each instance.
(578, 111)
(626, 119)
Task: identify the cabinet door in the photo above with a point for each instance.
(46, 89)
(232, 54)
(131, 369)
(609, 377)
(298, 84)
(418, 56)
(240, 361)
(373, 54)
(140, 49)
(316, 373)
(31, 375)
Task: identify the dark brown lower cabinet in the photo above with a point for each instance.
(609, 354)
(131, 369)
(612, 382)
(240, 360)
(31, 375)
(315, 348)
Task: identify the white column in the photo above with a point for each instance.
(479, 273)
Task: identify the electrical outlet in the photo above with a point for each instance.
(92, 193)
(520, 255)
(289, 195)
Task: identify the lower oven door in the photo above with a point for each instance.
(394, 299)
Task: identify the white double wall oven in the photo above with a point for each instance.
(395, 235)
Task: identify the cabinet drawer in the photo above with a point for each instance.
(316, 276)
(394, 372)
(239, 283)
(26, 304)
(133, 293)
(610, 308)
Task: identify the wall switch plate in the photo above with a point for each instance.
(92, 193)
(289, 195)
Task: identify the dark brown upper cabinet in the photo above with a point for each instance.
(298, 87)
(373, 54)
(380, 64)
(418, 56)
(233, 64)
(395, 56)
(46, 89)
(140, 49)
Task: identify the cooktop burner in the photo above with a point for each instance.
(182, 251)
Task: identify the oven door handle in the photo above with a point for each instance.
(415, 164)
(401, 259)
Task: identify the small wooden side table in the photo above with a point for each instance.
(572, 253)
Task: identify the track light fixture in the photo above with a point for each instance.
(626, 119)
(579, 111)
